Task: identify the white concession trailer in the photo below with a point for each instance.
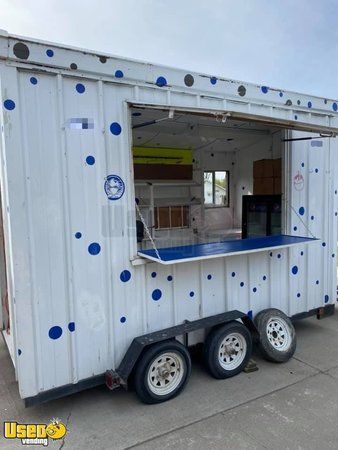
(147, 209)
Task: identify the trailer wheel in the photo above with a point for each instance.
(227, 350)
(277, 336)
(162, 372)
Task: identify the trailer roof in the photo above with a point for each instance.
(240, 99)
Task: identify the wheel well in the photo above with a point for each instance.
(141, 343)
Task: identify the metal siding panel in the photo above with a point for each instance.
(160, 294)
(258, 285)
(86, 196)
(213, 299)
(313, 280)
(186, 281)
(237, 286)
(279, 280)
(39, 124)
(25, 317)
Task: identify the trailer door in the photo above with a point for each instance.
(311, 188)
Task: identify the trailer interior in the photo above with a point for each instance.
(206, 179)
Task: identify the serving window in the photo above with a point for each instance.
(202, 186)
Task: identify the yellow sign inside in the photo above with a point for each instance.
(174, 156)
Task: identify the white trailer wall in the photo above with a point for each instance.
(77, 300)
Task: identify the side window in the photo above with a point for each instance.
(216, 188)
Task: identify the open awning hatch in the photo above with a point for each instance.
(199, 252)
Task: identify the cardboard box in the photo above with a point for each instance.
(263, 186)
(267, 168)
(277, 185)
(263, 168)
(277, 168)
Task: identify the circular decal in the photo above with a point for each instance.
(114, 187)
(298, 182)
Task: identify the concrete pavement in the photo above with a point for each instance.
(288, 406)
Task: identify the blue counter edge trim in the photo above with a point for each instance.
(187, 252)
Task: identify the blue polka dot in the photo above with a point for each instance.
(271, 254)
(317, 282)
(264, 89)
(249, 314)
(55, 332)
(137, 201)
(115, 128)
(296, 117)
(335, 191)
(90, 160)
(169, 278)
(241, 284)
(281, 94)
(312, 217)
(294, 270)
(333, 255)
(302, 164)
(233, 274)
(153, 275)
(19, 352)
(80, 88)
(192, 293)
(213, 80)
(324, 244)
(9, 104)
(49, 53)
(94, 248)
(264, 277)
(33, 80)
(279, 256)
(334, 106)
(294, 228)
(156, 295)
(298, 295)
(301, 210)
(301, 253)
(125, 276)
(316, 170)
(161, 81)
(119, 74)
(209, 277)
(78, 235)
(326, 298)
(254, 289)
(71, 326)
(123, 319)
(336, 213)
(309, 104)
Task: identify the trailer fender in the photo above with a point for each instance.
(115, 378)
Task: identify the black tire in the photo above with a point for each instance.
(277, 337)
(148, 389)
(238, 335)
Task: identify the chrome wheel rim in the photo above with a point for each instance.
(278, 334)
(165, 373)
(232, 351)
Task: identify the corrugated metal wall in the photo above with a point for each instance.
(78, 299)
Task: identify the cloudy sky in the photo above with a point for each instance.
(290, 44)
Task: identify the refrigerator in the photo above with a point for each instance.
(261, 215)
